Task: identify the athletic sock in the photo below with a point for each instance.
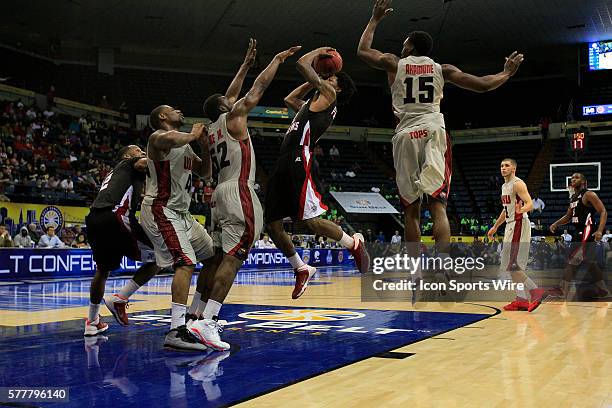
(521, 294)
(529, 285)
(346, 241)
(94, 312)
(296, 261)
(201, 307)
(128, 289)
(178, 315)
(195, 302)
(212, 309)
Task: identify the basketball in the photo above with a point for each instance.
(328, 64)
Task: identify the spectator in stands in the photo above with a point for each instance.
(381, 237)
(52, 183)
(23, 240)
(566, 237)
(318, 151)
(264, 243)
(34, 234)
(67, 184)
(369, 236)
(5, 237)
(538, 205)
(80, 241)
(397, 238)
(50, 240)
(334, 152)
(607, 236)
(67, 235)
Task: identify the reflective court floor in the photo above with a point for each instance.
(328, 348)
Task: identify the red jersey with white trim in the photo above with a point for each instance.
(509, 198)
(169, 180)
(233, 160)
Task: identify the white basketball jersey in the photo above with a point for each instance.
(509, 199)
(232, 159)
(417, 92)
(169, 180)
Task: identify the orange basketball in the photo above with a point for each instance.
(329, 63)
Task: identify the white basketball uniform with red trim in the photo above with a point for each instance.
(422, 152)
(517, 236)
(177, 237)
(237, 216)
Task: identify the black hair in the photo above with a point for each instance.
(422, 42)
(123, 151)
(154, 120)
(346, 84)
(211, 107)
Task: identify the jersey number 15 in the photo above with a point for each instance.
(425, 91)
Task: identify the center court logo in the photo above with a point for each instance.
(302, 315)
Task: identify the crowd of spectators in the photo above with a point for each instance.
(32, 237)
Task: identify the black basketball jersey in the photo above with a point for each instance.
(582, 217)
(121, 189)
(307, 127)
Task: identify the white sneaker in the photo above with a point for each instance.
(93, 328)
(207, 331)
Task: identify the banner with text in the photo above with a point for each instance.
(369, 203)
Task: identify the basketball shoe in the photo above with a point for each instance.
(117, 305)
(359, 252)
(518, 304)
(207, 332)
(182, 339)
(537, 296)
(94, 328)
(303, 274)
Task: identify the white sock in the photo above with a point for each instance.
(529, 285)
(346, 241)
(178, 315)
(201, 307)
(195, 302)
(128, 289)
(94, 312)
(296, 261)
(522, 294)
(212, 309)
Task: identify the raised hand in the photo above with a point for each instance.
(251, 53)
(282, 56)
(513, 62)
(198, 129)
(381, 9)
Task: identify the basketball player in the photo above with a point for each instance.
(293, 188)
(421, 148)
(114, 232)
(179, 240)
(584, 204)
(516, 203)
(237, 217)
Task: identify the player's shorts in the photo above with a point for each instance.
(422, 156)
(237, 218)
(113, 236)
(293, 189)
(515, 250)
(178, 239)
(583, 247)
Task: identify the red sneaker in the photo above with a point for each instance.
(93, 328)
(302, 277)
(537, 296)
(362, 259)
(117, 306)
(518, 304)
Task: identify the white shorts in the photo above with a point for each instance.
(515, 251)
(423, 161)
(178, 238)
(237, 218)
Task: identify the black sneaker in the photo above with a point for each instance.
(189, 317)
(181, 339)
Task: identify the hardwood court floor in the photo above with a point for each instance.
(464, 355)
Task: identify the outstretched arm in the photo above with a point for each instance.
(237, 117)
(486, 83)
(295, 99)
(372, 57)
(233, 91)
(327, 93)
(169, 139)
(594, 200)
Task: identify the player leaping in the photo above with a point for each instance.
(421, 147)
(294, 189)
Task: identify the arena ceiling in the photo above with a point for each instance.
(212, 35)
